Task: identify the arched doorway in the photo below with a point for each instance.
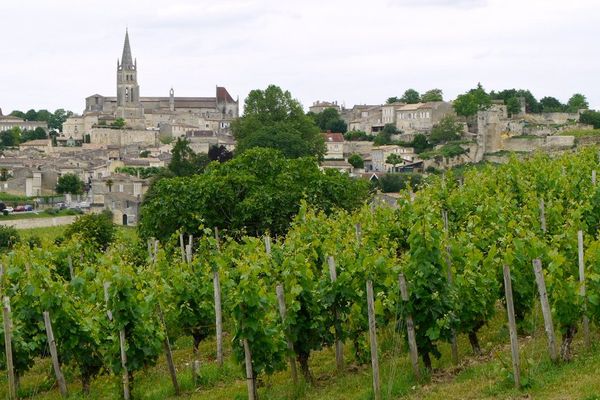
(124, 219)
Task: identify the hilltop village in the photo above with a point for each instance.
(116, 140)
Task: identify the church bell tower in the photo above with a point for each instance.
(128, 90)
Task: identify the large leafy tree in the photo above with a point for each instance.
(432, 95)
(531, 103)
(69, 183)
(273, 118)
(185, 161)
(577, 102)
(329, 120)
(258, 191)
(474, 100)
(551, 104)
(590, 117)
(446, 130)
(410, 96)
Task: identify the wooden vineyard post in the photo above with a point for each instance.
(542, 216)
(358, 230)
(189, 249)
(70, 261)
(252, 393)
(339, 345)
(373, 341)
(60, 378)
(594, 177)
(453, 342)
(512, 326)
(169, 354)
(218, 312)
(290, 345)
(410, 327)
(548, 325)
(586, 321)
(122, 344)
(182, 247)
(12, 381)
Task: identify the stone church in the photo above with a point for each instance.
(148, 118)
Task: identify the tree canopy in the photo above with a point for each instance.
(330, 120)
(432, 95)
(577, 102)
(258, 191)
(272, 118)
(410, 96)
(474, 100)
(55, 120)
(184, 161)
(446, 130)
(69, 183)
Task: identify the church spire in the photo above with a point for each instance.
(126, 59)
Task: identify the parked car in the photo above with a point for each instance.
(9, 209)
(28, 207)
(19, 208)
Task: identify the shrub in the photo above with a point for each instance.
(94, 229)
(9, 236)
(392, 183)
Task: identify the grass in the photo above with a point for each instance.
(580, 132)
(482, 377)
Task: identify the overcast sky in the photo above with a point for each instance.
(55, 53)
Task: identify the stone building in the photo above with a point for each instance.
(147, 113)
(419, 117)
(335, 146)
(319, 106)
(8, 122)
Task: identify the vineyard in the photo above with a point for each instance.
(382, 291)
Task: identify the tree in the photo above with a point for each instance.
(145, 154)
(18, 114)
(420, 143)
(329, 120)
(57, 119)
(551, 104)
(219, 153)
(385, 136)
(11, 137)
(513, 106)
(356, 161)
(391, 183)
(446, 130)
(257, 191)
(69, 183)
(590, 117)
(184, 161)
(474, 100)
(410, 96)
(31, 115)
(577, 102)
(358, 135)
(432, 95)
(394, 159)
(392, 100)
(531, 103)
(272, 118)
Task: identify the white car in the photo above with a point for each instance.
(9, 209)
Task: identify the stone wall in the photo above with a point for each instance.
(123, 137)
(39, 222)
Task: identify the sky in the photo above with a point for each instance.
(56, 53)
